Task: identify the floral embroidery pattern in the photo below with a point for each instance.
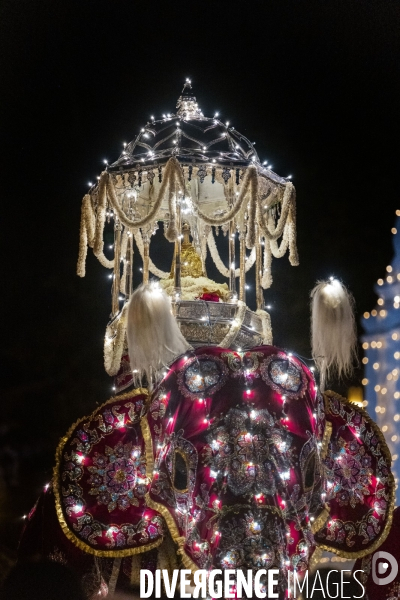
(118, 476)
(244, 365)
(254, 541)
(252, 451)
(284, 376)
(350, 468)
(202, 375)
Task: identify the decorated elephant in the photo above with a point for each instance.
(226, 459)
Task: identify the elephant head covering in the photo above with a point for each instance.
(237, 458)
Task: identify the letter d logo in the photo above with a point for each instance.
(383, 567)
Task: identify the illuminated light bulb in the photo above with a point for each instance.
(394, 438)
(397, 298)
(377, 388)
(380, 301)
(380, 281)
(365, 360)
(383, 409)
(379, 344)
(377, 409)
(397, 395)
(105, 161)
(398, 276)
(396, 355)
(365, 345)
(389, 279)
(365, 403)
(384, 428)
(382, 313)
(373, 344)
(374, 313)
(375, 366)
(396, 417)
(389, 268)
(383, 391)
(366, 315)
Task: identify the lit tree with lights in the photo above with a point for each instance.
(381, 343)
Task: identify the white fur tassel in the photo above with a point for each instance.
(154, 338)
(333, 329)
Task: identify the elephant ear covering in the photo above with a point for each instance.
(360, 485)
(100, 481)
(381, 586)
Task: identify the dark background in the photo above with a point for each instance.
(314, 83)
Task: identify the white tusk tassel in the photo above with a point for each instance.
(333, 329)
(153, 335)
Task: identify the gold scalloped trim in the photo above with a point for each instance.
(163, 510)
(391, 485)
(56, 486)
(316, 557)
(326, 438)
(320, 521)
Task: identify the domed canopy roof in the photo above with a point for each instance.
(190, 137)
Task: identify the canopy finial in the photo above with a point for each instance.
(187, 105)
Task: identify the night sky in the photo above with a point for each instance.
(315, 84)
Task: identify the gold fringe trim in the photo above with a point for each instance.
(391, 485)
(148, 445)
(56, 486)
(135, 570)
